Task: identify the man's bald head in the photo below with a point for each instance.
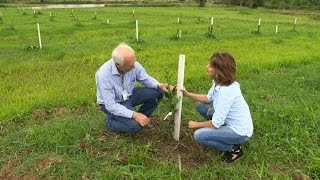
(124, 57)
(123, 54)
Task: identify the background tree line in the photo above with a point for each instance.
(281, 4)
(278, 4)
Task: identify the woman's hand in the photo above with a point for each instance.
(193, 124)
(205, 124)
(184, 91)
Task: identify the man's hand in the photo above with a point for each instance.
(140, 118)
(163, 87)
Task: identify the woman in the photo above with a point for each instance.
(229, 122)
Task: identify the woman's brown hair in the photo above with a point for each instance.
(225, 68)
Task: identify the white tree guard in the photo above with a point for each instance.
(39, 36)
(137, 31)
(177, 121)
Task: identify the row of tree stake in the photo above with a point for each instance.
(210, 32)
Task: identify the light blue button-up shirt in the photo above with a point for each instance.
(111, 84)
(230, 108)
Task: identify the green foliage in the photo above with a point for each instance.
(32, 48)
(281, 4)
(278, 76)
(201, 3)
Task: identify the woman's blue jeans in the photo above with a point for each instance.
(146, 97)
(222, 138)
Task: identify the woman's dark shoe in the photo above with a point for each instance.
(235, 154)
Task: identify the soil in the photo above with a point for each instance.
(300, 176)
(46, 162)
(165, 148)
(45, 114)
(190, 152)
(6, 171)
(61, 111)
(40, 114)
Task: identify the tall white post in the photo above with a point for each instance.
(295, 20)
(137, 31)
(179, 33)
(277, 29)
(259, 23)
(177, 120)
(178, 20)
(211, 21)
(40, 45)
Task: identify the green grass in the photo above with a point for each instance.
(278, 74)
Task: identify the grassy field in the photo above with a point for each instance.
(50, 126)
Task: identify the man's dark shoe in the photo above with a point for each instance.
(148, 126)
(111, 133)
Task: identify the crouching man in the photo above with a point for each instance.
(117, 94)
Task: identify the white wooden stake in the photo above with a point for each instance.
(177, 121)
(40, 45)
(137, 31)
(211, 21)
(295, 20)
(277, 29)
(259, 23)
(108, 22)
(179, 33)
(178, 20)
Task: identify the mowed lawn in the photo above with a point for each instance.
(50, 126)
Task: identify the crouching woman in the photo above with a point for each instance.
(228, 121)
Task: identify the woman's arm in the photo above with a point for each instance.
(198, 97)
(193, 124)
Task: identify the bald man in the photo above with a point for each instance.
(117, 94)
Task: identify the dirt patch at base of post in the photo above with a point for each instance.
(191, 153)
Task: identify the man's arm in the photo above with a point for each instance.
(108, 96)
(115, 108)
(144, 78)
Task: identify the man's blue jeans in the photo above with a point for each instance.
(222, 138)
(146, 97)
